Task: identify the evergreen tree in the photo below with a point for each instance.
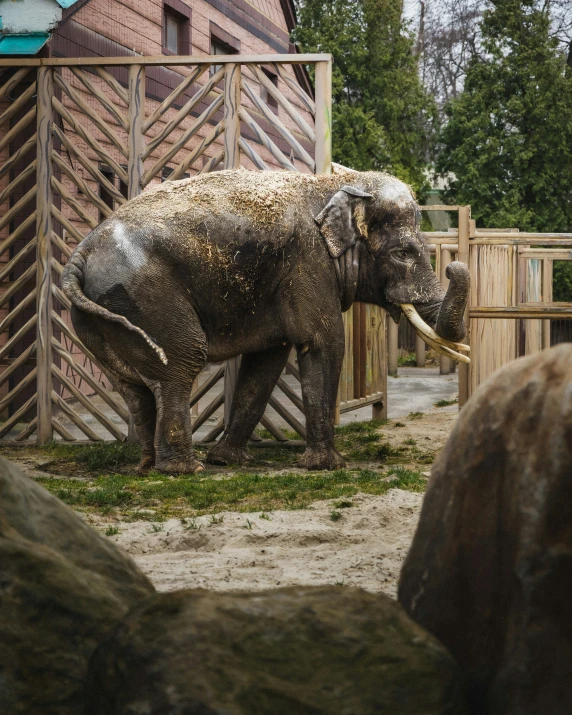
(508, 139)
(381, 115)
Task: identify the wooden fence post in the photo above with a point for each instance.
(445, 364)
(136, 145)
(44, 202)
(323, 118)
(232, 73)
(392, 335)
(463, 256)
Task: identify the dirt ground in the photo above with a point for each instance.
(360, 539)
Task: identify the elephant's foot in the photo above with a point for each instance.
(146, 464)
(179, 466)
(224, 453)
(317, 458)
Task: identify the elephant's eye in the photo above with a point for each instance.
(402, 254)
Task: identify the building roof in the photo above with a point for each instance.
(24, 44)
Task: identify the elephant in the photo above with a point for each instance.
(249, 263)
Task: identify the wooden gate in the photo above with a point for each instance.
(80, 137)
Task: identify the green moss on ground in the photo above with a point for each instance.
(101, 478)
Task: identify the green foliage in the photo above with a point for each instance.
(382, 116)
(562, 281)
(508, 138)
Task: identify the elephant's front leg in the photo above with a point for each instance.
(320, 365)
(256, 379)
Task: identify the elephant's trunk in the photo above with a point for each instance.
(445, 314)
(450, 324)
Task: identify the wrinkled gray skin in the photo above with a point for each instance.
(248, 263)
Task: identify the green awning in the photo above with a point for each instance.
(28, 44)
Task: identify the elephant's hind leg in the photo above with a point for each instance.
(256, 379)
(141, 403)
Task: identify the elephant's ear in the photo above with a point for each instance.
(337, 222)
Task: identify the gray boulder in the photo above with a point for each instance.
(490, 569)
(294, 650)
(62, 588)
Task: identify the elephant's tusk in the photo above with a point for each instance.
(445, 347)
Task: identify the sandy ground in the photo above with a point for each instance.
(365, 547)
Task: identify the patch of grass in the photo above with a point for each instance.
(408, 360)
(446, 403)
(399, 424)
(94, 457)
(112, 531)
(343, 504)
(335, 515)
(415, 415)
(247, 525)
(156, 528)
(410, 441)
(266, 516)
(191, 495)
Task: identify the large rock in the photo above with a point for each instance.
(490, 569)
(295, 650)
(62, 587)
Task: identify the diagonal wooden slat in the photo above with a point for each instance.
(290, 394)
(15, 235)
(22, 176)
(7, 268)
(22, 305)
(17, 156)
(307, 101)
(71, 336)
(274, 430)
(265, 140)
(15, 339)
(81, 185)
(252, 155)
(10, 135)
(89, 166)
(57, 266)
(274, 92)
(287, 417)
(62, 431)
(105, 395)
(105, 156)
(286, 134)
(14, 81)
(73, 416)
(22, 385)
(18, 415)
(111, 82)
(18, 103)
(28, 431)
(69, 227)
(18, 362)
(214, 432)
(18, 206)
(168, 102)
(17, 285)
(61, 297)
(73, 204)
(197, 152)
(120, 118)
(185, 137)
(63, 247)
(213, 163)
(183, 112)
(208, 411)
(206, 386)
(93, 116)
(89, 406)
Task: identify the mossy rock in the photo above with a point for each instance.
(62, 588)
(295, 650)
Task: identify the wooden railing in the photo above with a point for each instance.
(510, 303)
(79, 137)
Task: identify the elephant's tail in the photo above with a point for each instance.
(73, 278)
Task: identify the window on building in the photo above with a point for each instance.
(265, 94)
(176, 28)
(222, 44)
